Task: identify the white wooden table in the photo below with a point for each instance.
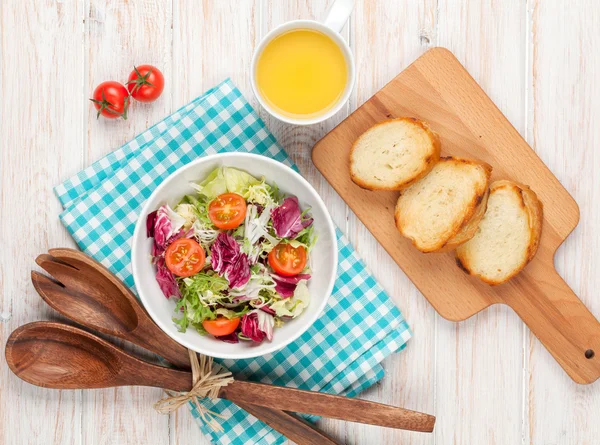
(488, 380)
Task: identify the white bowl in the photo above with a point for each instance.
(323, 256)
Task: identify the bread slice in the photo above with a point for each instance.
(444, 208)
(394, 154)
(470, 228)
(508, 235)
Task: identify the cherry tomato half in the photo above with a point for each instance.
(227, 211)
(111, 99)
(286, 260)
(185, 257)
(146, 83)
(221, 326)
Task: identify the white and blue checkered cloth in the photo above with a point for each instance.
(341, 353)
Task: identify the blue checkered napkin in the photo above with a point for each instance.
(341, 353)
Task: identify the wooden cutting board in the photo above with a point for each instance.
(437, 89)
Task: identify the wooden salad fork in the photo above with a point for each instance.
(84, 291)
(88, 293)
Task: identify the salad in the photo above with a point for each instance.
(235, 256)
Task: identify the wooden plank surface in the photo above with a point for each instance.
(406, 30)
(562, 127)
(488, 380)
(41, 134)
(118, 34)
(479, 362)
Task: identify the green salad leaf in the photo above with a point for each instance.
(199, 296)
(226, 180)
(213, 186)
(232, 313)
(307, 238)
(200, 207)
(295, 305)
(238, 181)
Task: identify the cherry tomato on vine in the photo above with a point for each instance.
(111, 99)
(145, 83)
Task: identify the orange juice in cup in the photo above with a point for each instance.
(303, 71)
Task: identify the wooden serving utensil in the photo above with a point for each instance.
(55, 355)
(89, 294)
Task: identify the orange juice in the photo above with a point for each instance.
(301, 73)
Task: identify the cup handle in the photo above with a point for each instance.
(338, 14)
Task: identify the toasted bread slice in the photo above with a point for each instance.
(508, 235)
(394, 154)
(443, 209)
(470, 228)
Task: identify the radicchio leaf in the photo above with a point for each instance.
(163, 229)
(238, 300)
(157, 250)
(285, 286)
(167, 226)
(257, 325)
(166, 280)
(223, 252)
(288, 220)
(230, 338)
(228, 261)
(267, 309)
(266, 323)
(150, 219)
(238, 273)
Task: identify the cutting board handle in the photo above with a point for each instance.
(562, 323)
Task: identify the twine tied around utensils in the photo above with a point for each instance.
(207, 379)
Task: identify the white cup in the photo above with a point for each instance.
(336, 17)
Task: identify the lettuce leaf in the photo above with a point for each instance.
(188, 213)
(200, 294)
(205, 281)
(255, 231)
(294, 306)
(213, 186)
(262, 194)
(307, 238)
(200, 206)
(238, 181)
(224, 180)
(259, 289)
(230, 313)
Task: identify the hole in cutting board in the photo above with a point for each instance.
(589, 353)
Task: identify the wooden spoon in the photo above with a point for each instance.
(56, 355)
(88, 293)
